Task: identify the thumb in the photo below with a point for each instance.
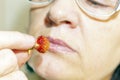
(22, 57)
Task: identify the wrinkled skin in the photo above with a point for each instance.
(97, 43)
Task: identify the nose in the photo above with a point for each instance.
(63, 12)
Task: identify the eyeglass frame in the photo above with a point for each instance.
(88, 12)
(103, 17)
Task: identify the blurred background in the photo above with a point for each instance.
(14, 15)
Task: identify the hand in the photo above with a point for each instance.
(13, 54)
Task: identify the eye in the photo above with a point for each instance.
(41, 3)
(95, 3)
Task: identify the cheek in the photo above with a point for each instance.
(37, 19)
(98, 65)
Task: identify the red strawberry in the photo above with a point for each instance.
(42, 44)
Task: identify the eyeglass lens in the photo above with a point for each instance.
(99, 6)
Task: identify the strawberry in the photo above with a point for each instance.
(42, 44)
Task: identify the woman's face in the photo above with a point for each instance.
(82, 47)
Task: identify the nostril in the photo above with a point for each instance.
(51, 21)
(67, 22)
(48, 22)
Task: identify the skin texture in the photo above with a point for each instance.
(96, 41)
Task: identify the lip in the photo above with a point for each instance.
(59, 46)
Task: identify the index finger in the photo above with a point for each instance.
(16, 40)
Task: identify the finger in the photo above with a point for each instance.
(8, 62)
(16, 75)
(22, 57)
(15, 40)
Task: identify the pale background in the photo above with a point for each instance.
(14, 15)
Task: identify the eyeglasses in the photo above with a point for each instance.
(100, 9)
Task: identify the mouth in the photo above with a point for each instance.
(59, 46)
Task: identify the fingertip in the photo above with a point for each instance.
(31, 40)
(28, 42)
(16, 40)
(23, 57)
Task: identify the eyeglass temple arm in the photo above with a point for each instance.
(118, 6)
